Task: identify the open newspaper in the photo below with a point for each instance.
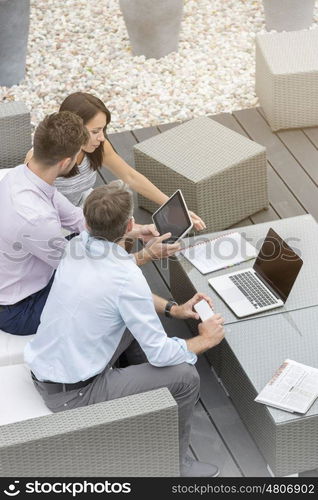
(294, 387)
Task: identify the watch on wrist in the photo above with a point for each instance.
(168, 307)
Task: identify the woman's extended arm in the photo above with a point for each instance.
(137, 181)
(134, 179)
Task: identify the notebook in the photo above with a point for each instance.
(293, 387)
(219, 253)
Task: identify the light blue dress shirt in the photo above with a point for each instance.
(98, 292)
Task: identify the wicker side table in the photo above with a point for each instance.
(253, 351)
(287, 78)
(222, 174)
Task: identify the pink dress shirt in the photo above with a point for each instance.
(32, 214)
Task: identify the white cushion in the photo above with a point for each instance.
(12, 347)
(20, 399)
(3, 172)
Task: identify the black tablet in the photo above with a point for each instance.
(173, 217)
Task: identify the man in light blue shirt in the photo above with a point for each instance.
(99, 306)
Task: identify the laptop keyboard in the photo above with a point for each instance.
(253, 290)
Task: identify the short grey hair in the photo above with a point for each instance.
(108, 209)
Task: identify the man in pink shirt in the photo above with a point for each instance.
(33, 214)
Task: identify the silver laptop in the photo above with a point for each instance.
(264, 286)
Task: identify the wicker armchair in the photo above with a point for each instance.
(135, 436)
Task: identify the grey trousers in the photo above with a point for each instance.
(182, 380)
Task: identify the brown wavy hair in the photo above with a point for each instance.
(86, 106)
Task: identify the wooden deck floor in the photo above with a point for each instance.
(218, 434)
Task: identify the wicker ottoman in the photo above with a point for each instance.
(287, 78)
(222, 174)
(15, 133)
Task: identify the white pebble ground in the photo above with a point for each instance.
(83, 45)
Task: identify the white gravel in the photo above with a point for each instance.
(83, 45)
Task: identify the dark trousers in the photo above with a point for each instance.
(23, 318)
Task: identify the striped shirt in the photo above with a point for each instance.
(77, 188)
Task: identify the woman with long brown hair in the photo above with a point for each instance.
(98, 152)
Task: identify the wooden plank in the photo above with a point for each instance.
(207, 445)
(191, 453)
(107, 175)
(302, 149)
(310, 473)
(242, 223)
(123, 143)
(168, 126)
(229, 424)
(281, 159)
(99, 179)
(281, 198)
(264, 216)
(312, 134)
(142, 134)
(228, 120)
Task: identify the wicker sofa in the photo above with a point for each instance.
(129, 437)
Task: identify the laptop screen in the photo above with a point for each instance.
(278, 264)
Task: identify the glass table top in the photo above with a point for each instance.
(262, 344)
(263, 341)
(300, 232)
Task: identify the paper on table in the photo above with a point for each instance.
(219, 253)
(294, 387)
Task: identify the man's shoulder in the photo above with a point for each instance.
(17, 171)
(133, 277)
(124, 266)
(109, 257)
(8, 174)
(28, 198)
(30, 207)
